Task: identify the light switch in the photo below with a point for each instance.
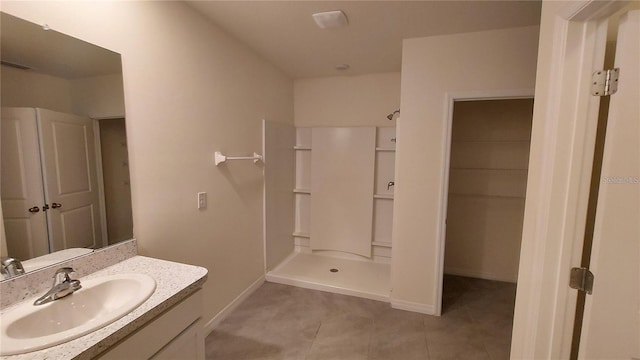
(202, 200)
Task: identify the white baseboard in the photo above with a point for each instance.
(210, 325)
(412, 306)
(481, 274)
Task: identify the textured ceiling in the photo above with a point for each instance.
(284, 32)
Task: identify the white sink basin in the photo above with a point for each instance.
(101, 301)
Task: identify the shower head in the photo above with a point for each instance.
(390, 116)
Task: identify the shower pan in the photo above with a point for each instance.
(341, 175)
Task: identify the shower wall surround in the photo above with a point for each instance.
(342, 182)
(278, 143)
(350, 170)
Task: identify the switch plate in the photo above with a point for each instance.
(202, 200)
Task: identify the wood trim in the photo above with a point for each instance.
(586, 10)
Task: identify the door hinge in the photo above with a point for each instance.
(581, 279)
(605, 82)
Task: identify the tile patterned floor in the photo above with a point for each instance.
(284, 322)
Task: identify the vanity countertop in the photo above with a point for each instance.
(174, 282)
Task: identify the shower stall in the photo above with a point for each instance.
(329, 208)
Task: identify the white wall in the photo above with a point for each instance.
(22, 88)
(189, 90)
(99, 96)
(363, 100)
(96, 97)
(432, 68)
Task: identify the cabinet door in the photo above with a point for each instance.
(177, 329)
(188, 345)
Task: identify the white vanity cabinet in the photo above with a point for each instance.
(177, 333)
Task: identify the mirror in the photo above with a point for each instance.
(64, 163)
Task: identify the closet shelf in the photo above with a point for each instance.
(385, 149)
(302, 191)
(491, 169)
(381, 244)
(485, 196)
(302, 147)
(383, 196)
(301, 234)
(490, 141)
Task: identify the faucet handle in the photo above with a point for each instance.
(11, 267)
(62, 275)
(65, 270)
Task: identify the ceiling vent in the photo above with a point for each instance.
(330, 19)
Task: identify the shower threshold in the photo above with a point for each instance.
(365, 279)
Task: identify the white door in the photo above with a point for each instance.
(71, 186)
(611, 327)
(22, 189)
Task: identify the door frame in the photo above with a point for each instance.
(565, 117)
(451, 98)
(100, 176)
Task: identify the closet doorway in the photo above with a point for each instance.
(488, 162)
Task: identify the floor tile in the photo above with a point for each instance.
(279, 322)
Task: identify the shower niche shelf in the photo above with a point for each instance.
(302, 190)
(385, 149)
(383, 244)
(383, 196)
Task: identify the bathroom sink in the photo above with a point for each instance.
(101, 301)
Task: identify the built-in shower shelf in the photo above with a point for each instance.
(381, 244)
(488, 169)
(302, 191)
(383, 196)
(491, 141)
(385, 149)
(301, 147)
(488, 196)
(301, 234)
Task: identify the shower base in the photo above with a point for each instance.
(365, 279)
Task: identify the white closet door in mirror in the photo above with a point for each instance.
(342, 173)
(22, 194)
(71, 186)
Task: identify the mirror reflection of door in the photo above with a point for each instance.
(56, 188)
(23, 192)
(70, 180)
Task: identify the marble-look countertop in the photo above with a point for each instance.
(174, 282)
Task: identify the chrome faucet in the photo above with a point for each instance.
(11, 267)
(62, 286)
